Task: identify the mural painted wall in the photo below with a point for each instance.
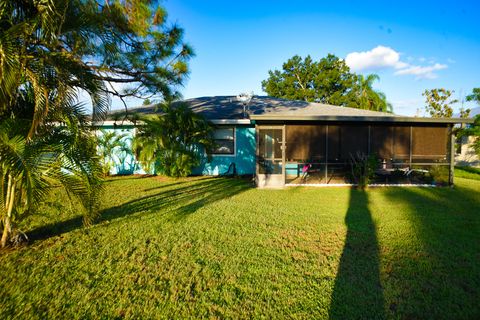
(244, 157)
(123, 160)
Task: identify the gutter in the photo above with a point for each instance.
(361, 119)
(121, 123)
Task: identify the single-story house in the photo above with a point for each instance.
(283, 142)
(465, 155)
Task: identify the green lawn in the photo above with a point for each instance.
(217, 248)
(467, 172)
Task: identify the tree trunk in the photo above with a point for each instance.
(7, 229)
(7, 221)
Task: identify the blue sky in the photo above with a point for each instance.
(413, 46)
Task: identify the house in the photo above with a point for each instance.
(466, 155)
(284, 142)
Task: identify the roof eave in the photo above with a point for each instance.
(121, 123)
(360, 119)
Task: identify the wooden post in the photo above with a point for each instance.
(451, 155)
(326, 154)
(284, 154)
(410, 149)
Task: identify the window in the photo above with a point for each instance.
(224, 141)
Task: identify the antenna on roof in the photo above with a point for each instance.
(245, 98)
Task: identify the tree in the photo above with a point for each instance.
(464, 113)
(171, 143)
(438, 103)
(368, 98)
(29, 168)
(473, 130)
(59, 47)
(50, 51)
(474, 96)
(327, 81)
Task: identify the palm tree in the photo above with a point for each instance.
(49, 52)
(368, 98)
(30, 35)
(58, 47)
(30, 167)
(170, 143)
(45, 140)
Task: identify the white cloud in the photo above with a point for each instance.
(382, 57)
(422, 72)
(379, 57)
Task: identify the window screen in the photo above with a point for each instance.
(430, 142)
(305, 142)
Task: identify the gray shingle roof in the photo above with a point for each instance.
(228, 107)
(269, 108)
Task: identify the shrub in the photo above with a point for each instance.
(170, 143)
(363, 168)
(439, 174)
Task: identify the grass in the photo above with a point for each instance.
(467, 172)
(217, 248)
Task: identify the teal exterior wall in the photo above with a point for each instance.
(122, 161)
(244, 157)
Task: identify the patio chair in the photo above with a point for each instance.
(305, 171)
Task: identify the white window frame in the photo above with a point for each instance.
(234, 154)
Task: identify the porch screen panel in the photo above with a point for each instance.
(334, 143)
(401, 143)
(269, 151)
(265, 145)
(353, 140)
(429, 143)
(305, 142)
(381, 142)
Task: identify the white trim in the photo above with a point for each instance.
(375, 185)
(323, 185)
(230, 121)
(216, 155)
(117, 123)
(128, 122)
(232, 155)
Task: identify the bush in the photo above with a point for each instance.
(169, 143)
(439, 174)
(363, 168)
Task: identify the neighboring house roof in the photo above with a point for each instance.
(268, 108)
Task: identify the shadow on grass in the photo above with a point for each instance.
(180, 199)
(358, 293)
(439, 279)
(116, 177)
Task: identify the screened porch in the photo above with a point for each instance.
(321, 153)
